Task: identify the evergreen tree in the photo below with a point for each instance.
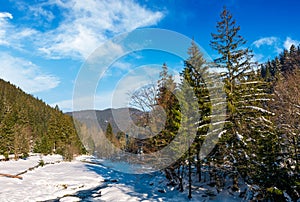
(194, 74)
(167, 100)
(245, 97)
(284, 64)
(189, 108)
(109, 132)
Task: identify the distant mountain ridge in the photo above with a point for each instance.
(92, 128)
(116, 117)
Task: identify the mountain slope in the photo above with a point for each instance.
(118, 118)
(92, 125)
(28, 125)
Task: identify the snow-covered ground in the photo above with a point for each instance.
(82, 181)
(47, 182)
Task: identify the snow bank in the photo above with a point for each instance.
(43, 183)
(86, 178)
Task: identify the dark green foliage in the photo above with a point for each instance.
(41, 163)
(29, 125)
(249, 144)
(109, 133)
(195, 74)
(167, 100)
(235, 62)
(285, 63)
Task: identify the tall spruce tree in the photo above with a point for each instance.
(194, 74)
(167, 100)
(245, 97)
(189, 109)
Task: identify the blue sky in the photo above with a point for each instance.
(44, 44)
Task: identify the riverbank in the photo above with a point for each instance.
(86, 179)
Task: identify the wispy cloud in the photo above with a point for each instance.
(4, 16)
(265, 41)
(84, 25)
(267, 48)
(19, 71)
(276, 43)
(87, 24)
(289, 42)
(25, 74)
(13, 36)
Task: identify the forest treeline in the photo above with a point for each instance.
(29, 125)
(258, 138)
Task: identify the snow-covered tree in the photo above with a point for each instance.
(246, 95)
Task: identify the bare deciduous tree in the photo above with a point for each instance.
(286, 105)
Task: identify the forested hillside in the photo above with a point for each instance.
(29, 125)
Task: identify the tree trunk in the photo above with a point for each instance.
(190, 175)
(296, 152)
(235, 186)
(198, 165)
(11, 176)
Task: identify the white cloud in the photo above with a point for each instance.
(289, 42)
(12, 36)
(87, 24)
(6, 15)
(39, 13)
(265, 41)
(3, 27)
(23, 73)
(28, 76)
